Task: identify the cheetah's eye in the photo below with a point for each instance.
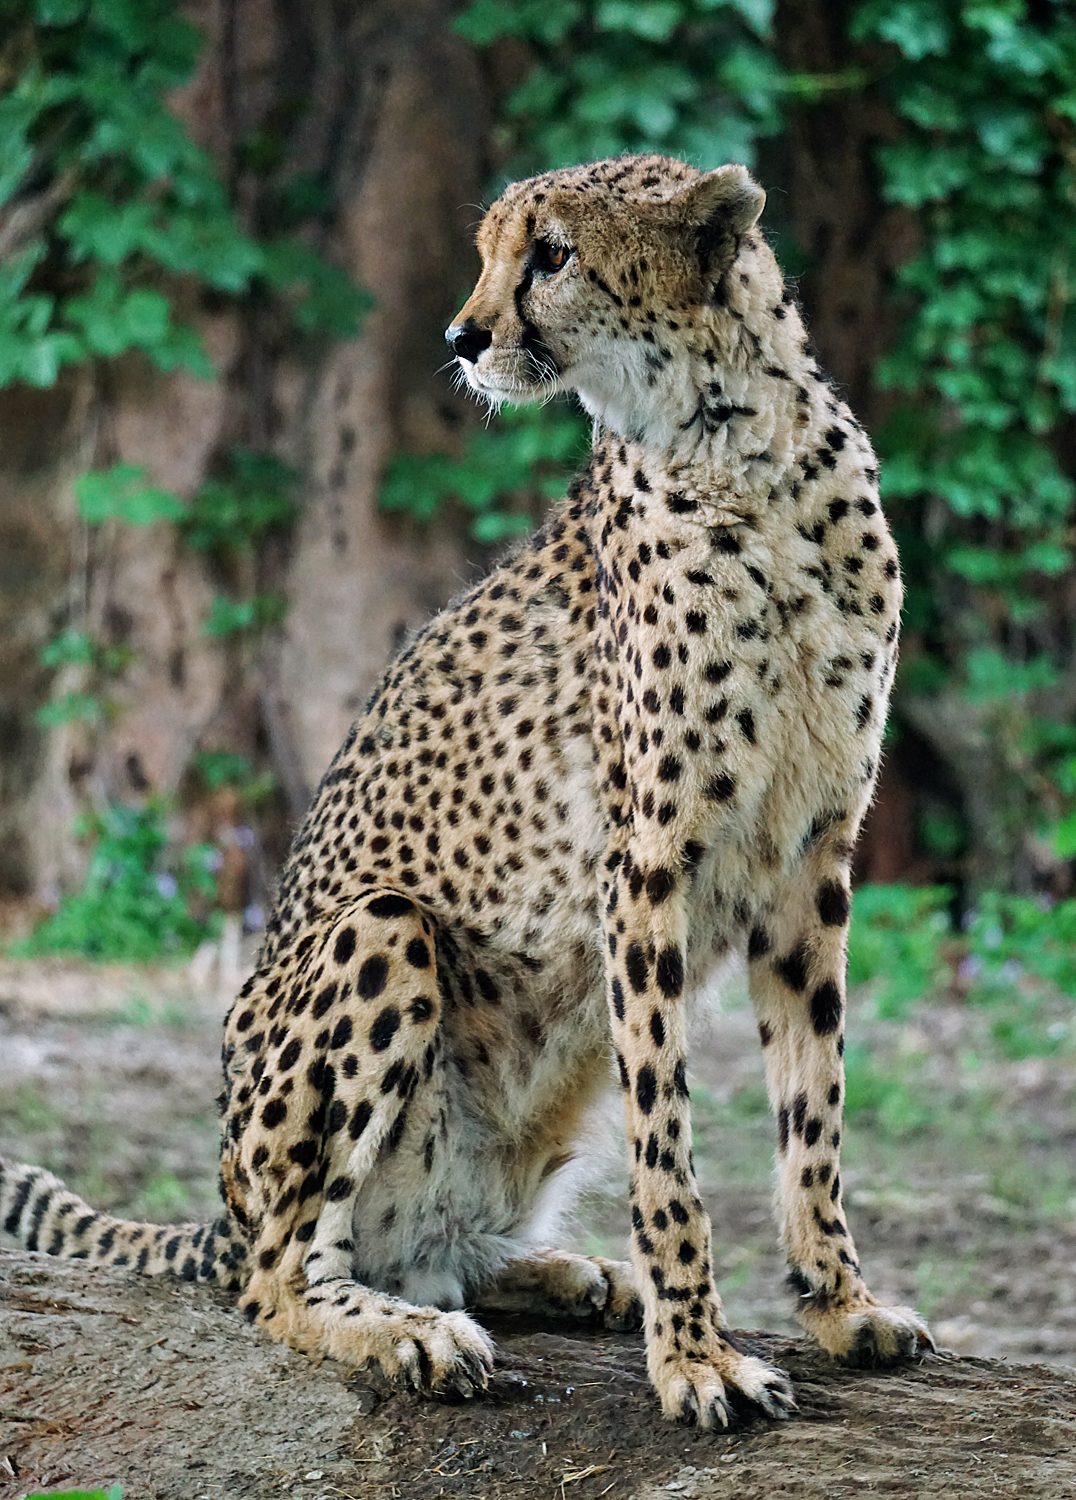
(549, 258)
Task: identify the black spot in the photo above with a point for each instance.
(670, 768)
(832, 903)
(339, 1189)
(758, 943)
(617, 992)
(686, 1252)
(274, 1113)
(487, 986)
(360, 1118)
(826, 1009)
(344, 946)
(303, 1154)
(669, 971)
(721, 787)
(290, 1055)
(811, 1132)
(417, 953)
(793, 968)
(373, 973)
(384, 1028)
(646, 1088)
(657, 1028)
(390, 906)
(659, 885)
(341, 1032)
(635, 962)
(746, 720)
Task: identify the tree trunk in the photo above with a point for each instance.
(383, 105)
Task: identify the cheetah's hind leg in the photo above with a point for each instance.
(359, 1048)
(558, 1284)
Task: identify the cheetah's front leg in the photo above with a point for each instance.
(797, 982)
(699, 1373)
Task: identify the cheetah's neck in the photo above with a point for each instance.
(732, 394)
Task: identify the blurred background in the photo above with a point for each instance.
(234, 475)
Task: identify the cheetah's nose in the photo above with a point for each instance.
(467, 340)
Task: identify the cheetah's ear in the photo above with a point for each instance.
(719, 207)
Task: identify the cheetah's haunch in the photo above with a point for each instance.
(643, 741)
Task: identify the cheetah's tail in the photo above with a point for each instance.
(42, 1214)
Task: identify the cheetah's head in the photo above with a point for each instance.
(599, 280)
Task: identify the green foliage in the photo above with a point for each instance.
(240, 616)
(1013, 958)
(106, 203)
(890, 1095)
(253, 497)
(76, 648)
(122, 494)
(114, 1492)
(983, 366)
(893, 942)
(1012, 936)
(529, 452)
(221, 768)
(697, 78)
(137, 902)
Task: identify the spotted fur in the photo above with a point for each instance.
(644, 742)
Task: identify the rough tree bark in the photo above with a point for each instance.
(382, 104)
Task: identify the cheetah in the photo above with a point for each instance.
(642, 744)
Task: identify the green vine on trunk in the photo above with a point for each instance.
(108, 209)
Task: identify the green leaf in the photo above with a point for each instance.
(71, 707)
(70, 648)
(59, 12)
(237, 616)
(121, 494)
(653, 20)
(919, 28)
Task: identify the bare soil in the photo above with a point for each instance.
(959, 1187)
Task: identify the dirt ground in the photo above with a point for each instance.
(959, 1186)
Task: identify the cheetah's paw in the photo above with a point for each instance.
(447, 1354)
(622, 1310)
(695, 1393)
(559, 1284)
(868, 1335)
